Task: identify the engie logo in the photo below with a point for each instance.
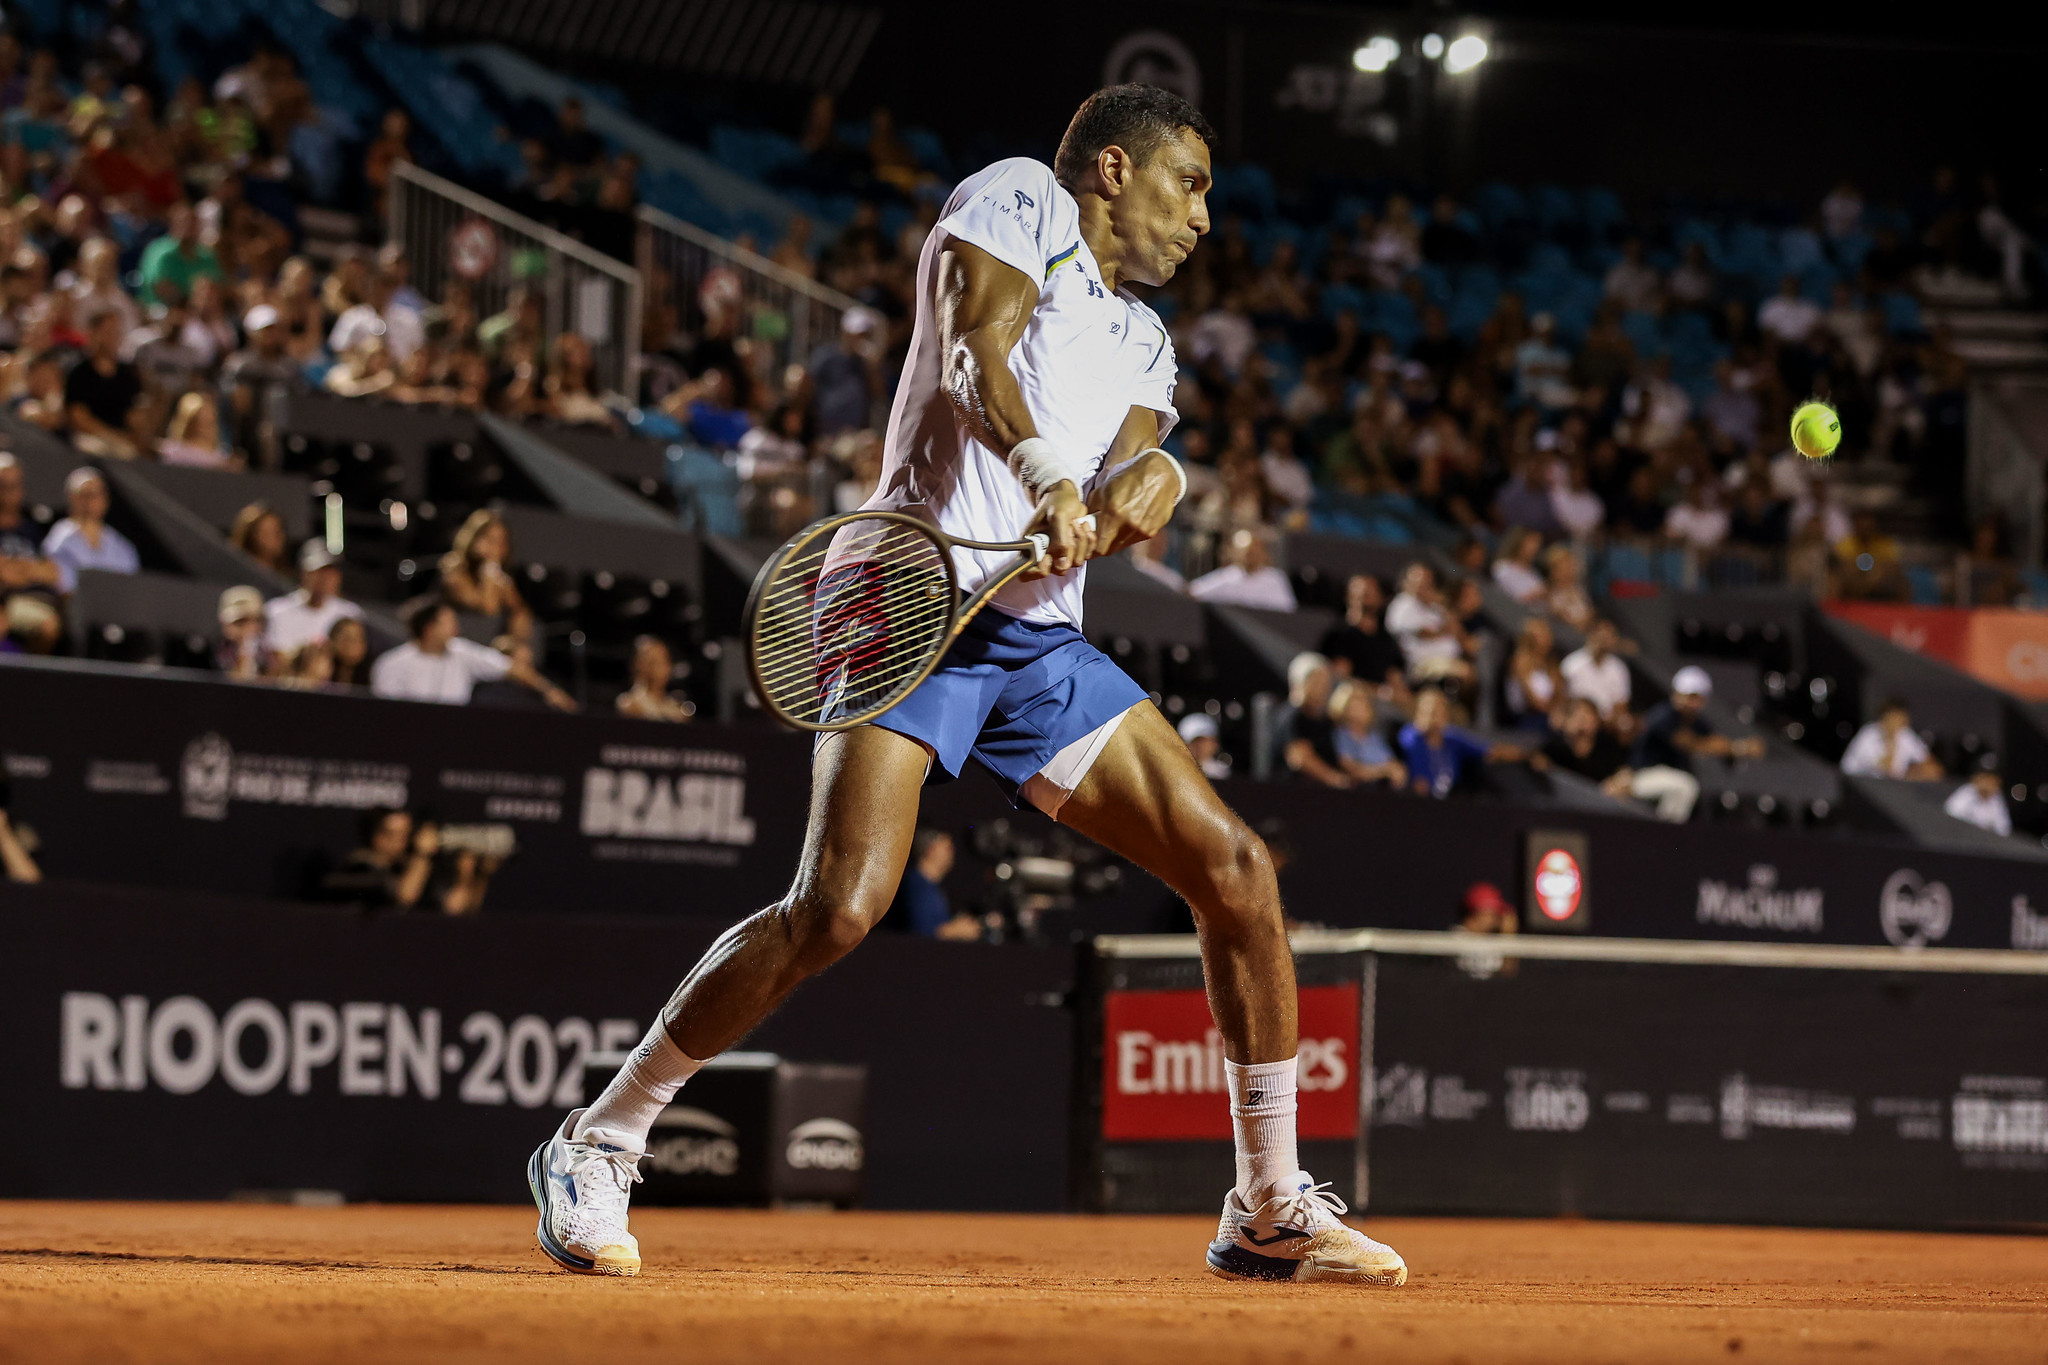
(824, 1145)
(690, 1141)
(1914, 913)
(1558, 885)
(1163, 1077)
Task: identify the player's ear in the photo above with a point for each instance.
(1113, 169)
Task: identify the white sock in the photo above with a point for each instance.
(642, 1089)
(1262, 1112)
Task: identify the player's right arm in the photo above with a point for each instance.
(982, 307)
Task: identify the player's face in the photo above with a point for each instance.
(1164, 209)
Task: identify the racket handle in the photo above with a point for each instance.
(1041, 545)
(1087, 521)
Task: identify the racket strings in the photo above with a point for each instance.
(850, 620)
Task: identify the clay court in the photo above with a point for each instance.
(198, 1282)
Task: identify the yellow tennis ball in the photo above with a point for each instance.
(1816, 430)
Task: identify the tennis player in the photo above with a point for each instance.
(1034, 398)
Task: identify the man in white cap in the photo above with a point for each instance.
(254, 381)
(843, 374)
(299, 618)
(1198, 731)
(1673, 734)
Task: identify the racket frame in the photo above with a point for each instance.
(1030, 551)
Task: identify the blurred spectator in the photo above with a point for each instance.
(1429, 638)
(1567, 599)
(1199, 732)
(1867, 564)
(310, 669)
(1439, 756)
(1981, 802)
(648, 698)
(83, 540)
(1247, 577)
(1989, 577)
(1311, 734)
(309, 612)
(1362, 751)
(1486, 911)
(1888, 747)
(921, 906)
(193, 434)
(573, 143)
(97, 287)
(28, 581)
(174, 262)
(255, 380)
(1632, 281)
(843, 374)
(1672, 735)
(1358, 646)
(243, 653)
(1515, 570)
(1573, 502)
(1817, 504)
(391, 868)
(380, 315)
(1584, 746)
(349, 641)
(438, 665)
(259, 532)
(1148, 557)
(1758, 521)
(392, 146)
(1698, 522)
(476, 576)
(1598, 674)
(1533, 684)
(1788, 317)
(101, 394)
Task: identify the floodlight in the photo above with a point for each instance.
(1464, 53)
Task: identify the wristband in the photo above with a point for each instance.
(1038, 466)
(1178, 472)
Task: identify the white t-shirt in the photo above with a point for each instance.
(1087, 357)
(1865, 755)
(1578, 510)
(1985, 812)
(1604, 682)
(1788, 319)
(1700, 527)
(1518, 580)
(292, 621)
(1267, 589)
(409, 673)
(1409, 620)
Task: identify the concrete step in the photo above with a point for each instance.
(1991, 353)
(1990, 324)
(1953, 289)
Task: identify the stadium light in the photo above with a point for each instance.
(1433, 46)
(1377, 54)
(1464, 54)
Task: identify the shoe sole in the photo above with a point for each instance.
(1311, 1272)
(536, 1181)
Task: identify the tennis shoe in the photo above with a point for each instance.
(582, 1185)
(1299, 1234)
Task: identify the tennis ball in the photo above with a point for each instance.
(1816, 430)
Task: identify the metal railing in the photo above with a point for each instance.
(455, 236)
(788, 312)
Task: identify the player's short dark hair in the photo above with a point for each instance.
(1137, 118)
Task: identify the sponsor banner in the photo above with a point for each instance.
(2002, 646)
(1163, 1072)
(256, 790)
(197, 1048)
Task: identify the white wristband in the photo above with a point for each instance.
(1178, 472)
(1038, 466)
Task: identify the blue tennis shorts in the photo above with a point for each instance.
(1011, 694)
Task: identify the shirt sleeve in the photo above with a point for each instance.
(484, 663)
(57, 549)
(1860, 758)
(1011, 211)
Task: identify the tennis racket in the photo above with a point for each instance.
(855, 611)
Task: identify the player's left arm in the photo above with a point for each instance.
(1137, 499)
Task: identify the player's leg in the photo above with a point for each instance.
(864, 800)
(1144, 798)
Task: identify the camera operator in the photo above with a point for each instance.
(391, 869)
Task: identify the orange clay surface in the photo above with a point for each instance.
(223, 1283)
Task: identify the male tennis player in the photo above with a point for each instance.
(1034, 397)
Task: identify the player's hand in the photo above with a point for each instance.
(1067, 525)
(1135, 505)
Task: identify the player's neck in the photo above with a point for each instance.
(1100, 235)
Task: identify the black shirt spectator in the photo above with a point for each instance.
(1656, 745)
(1602, 759)
(100, 383)
(574, 144)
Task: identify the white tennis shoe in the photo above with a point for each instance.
(1298, 1234)
(582, 1186)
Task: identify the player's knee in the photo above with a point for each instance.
(826, 929)
(1240, 889)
